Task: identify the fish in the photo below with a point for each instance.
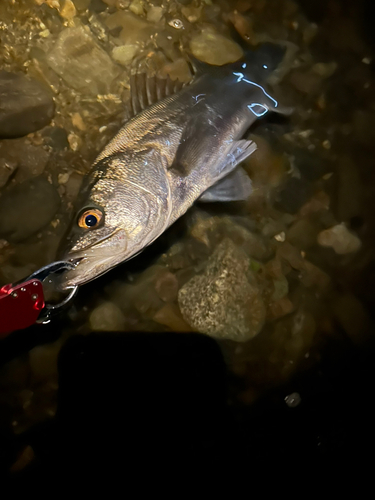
(182, 144)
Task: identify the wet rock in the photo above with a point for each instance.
(281, 288)
(266, 168)
(81, 5)
(353, 317)
(291, 254)
(107, 318)
(292, 195)
(293, 400)
(68, 10)
(281, 308)
(24, 459)
(7, 167)
(312, 275)
(306, 82)
(166, 287)
(318, 203)
(27, 208)
(242, 24)
(221, 302)
(43, 361)
(125, 54)
(340, 239)
(302, 234)
(137, 7)
(133, 29)
(210, 231)
(56, 138)
(82, 63)
(213, 48)
(29, 160)
(170, 316)
(177, 70)
(192, 13)
(25, 105)
(154, 14)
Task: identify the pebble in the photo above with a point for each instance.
(81, 62)
(281, 308)
(133, 29)
(325, 70)
(192, 13)
(281, 288)
(306, 82)
(340, 239)
(78, 122)
(43, 361)
(353, 317)
(213, 48)
(177, 70)
(319, 202)
(125, 54)
(154, 14)
(137, 7)
(221, 302)
(293, 400)
(170, 316)
(26, 208)
(302, 234)
(26, 105)
(28, 160)
(24, 459)
(166, 287)
(242, 24)
(107, 318)
(68, 10)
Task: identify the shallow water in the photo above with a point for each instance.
(303, 243)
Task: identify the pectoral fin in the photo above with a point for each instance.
(234, 187)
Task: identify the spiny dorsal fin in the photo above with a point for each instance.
(147, 90)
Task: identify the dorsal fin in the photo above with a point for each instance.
(147, 90)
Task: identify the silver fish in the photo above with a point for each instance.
(178, 148)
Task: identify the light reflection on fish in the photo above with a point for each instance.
(177, 149)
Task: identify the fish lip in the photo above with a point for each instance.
(78, 259)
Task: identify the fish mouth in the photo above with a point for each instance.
(97, 244)
(90, 262)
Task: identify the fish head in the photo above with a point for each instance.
(267, 58)
(114, 221)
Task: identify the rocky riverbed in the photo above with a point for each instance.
(274, 279)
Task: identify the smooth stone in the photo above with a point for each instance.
(107, 317)
(340, 239)
(26, 105)
(26, 208)
(82, 63)
(28, 160)
(125, 54)
(213, 48)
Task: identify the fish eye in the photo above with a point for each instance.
(265, 66)
(90, 219)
